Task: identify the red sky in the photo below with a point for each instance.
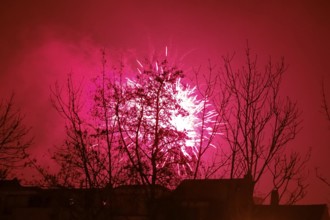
(41, 42)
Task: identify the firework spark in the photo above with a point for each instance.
(186, 115)
(190, 123)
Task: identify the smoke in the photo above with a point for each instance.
(42, 41)
(34, 68)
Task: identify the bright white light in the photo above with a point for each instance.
(190, 122)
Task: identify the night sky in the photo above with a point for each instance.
(41, 41)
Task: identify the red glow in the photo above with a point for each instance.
(42, 41)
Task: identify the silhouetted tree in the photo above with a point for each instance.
(156, 151)
(325, 106)
(14, 137)
(130, 131)
(126, 135)
(104, 113)
(209, 161)
(326, 112)
(289, 176)
(106, 132)
(258, 123)
(79, 161)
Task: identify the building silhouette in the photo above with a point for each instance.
(221, 199)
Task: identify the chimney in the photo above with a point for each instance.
(274, 199)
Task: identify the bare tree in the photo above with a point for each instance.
(289, 177)
(258, 123)
(139, 124)
(109, 124)
(78, 160)
(325, 106)
(130, 133)
(82, 160)
(90, 155)
(326, 112)
(105, 102)
(208, 166)
(14, 137)
(155, 148)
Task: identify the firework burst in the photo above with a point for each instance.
(191, 122)
(159, 116)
